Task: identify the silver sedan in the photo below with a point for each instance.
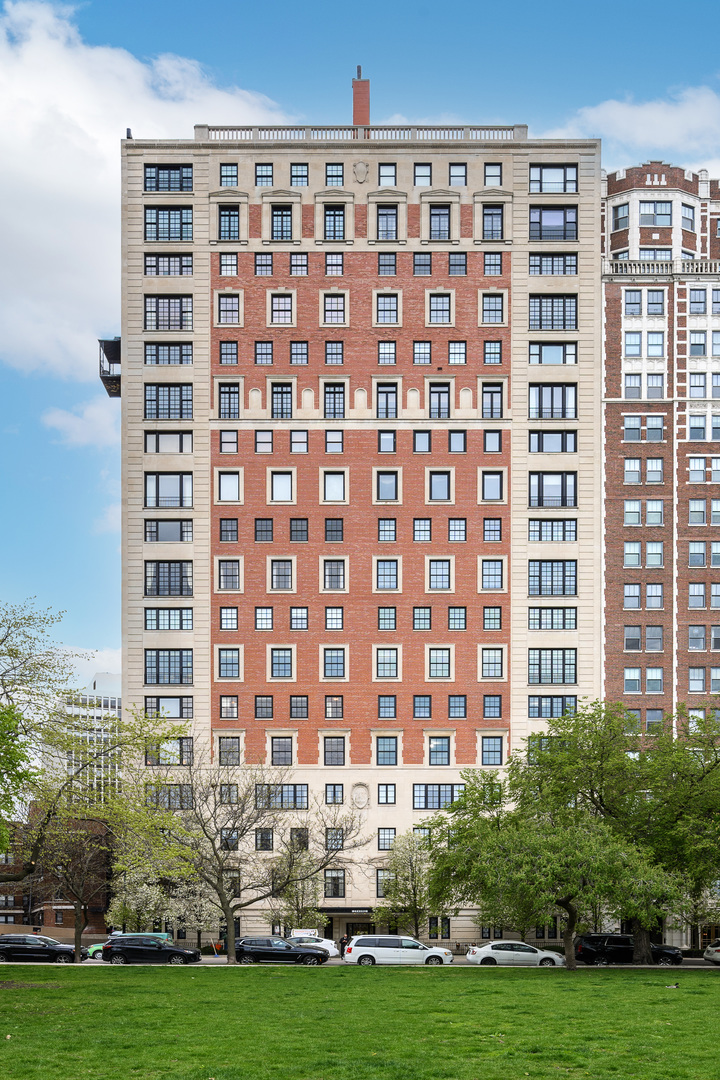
(513, 954)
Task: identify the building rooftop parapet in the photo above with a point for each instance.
(354, 132)
(661, 268)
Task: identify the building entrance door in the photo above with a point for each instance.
(353, 928)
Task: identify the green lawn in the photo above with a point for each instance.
(341, 1023)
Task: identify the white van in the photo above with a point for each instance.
(391, 949)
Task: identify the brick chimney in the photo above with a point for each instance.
(361, 100)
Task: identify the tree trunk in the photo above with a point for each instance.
(199, 939)
(642, 953)
(81, 921)
(565, 902)
(230, 924)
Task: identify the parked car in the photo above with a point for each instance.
(261, 950)
(143, 933)
(712, 953)
(391, 949)
(95, 951)
(602, 949)
(37, 948)
(320, 942)
(144, 949)
(513, 953)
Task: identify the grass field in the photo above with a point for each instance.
(339, 1023)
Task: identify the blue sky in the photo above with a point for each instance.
(72, 80)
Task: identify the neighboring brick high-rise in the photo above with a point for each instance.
(362, 405)
(662, 428)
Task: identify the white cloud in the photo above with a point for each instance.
(92, 423)
(682, 128)
(109, 520)
(65, 106)
(94, 661)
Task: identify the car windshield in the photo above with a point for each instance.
(46, 940)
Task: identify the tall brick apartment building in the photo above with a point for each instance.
(662, 430)
(361, 405)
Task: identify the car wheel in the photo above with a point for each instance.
(63, 958)
(246, 960)
(601, 961)
(488, 961)
(3, 958)
(311, 961)
(118, 959)
(546, 962)
(433, 961)
(665, 961)
(366, 961)
(177, 961)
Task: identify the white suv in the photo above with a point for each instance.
(389, 949)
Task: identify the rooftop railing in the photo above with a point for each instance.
(661, 267)
(350, 132)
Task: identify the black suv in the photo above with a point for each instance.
(142, 949)
(277, 951)
(36, 948)
(604, 949)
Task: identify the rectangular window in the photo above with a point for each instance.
(553, 312)
(553, 442)
(228, 265)
(334, 218)
(298, 176)
(439, 750)
(387, 574)
(553, 401)
(492, 308)
(552, 489)
(229, 223)
(281, 663)
(169, 226)
(435, 796)
(552, 577)
(281, 750)
(440, 308)
(544, 529)
(655, 213)
(553, 223)
(334, 663)
(169, 312)
(553, 264)
(298, 265)
(492, 352)
(422, 707)
(334, 750)
(439, 663)
(492, 663)
(552, 665)
(386, 794)
(263, 266)
(549, 354)
(386, 750)
(439, 486)
(263, 175)
(457, 264)
(281, 797)
(457, 175)
(492, 222)
(552, 619)
(157, 355)
(168, 178)
(281, 401)
(168, 618)
(492, 750)
(298, 352)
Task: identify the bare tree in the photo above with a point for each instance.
(248, 833)
(75, 866)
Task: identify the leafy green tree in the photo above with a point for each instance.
(658, 791)
(407, 899)
(138, 902)
(521, 870)
(16, 773)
